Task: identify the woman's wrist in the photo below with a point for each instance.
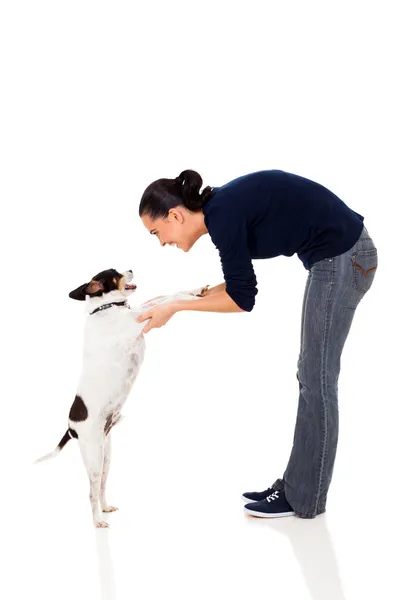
(176, 307)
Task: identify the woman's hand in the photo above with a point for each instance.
(159, 315)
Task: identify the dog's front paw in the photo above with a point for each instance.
(108, 509)
(204, 290)
(101, 525)
(199, 292)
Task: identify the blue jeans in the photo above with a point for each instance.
(333, 291)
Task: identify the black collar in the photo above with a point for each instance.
(104, 306)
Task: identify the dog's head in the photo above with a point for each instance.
(106, 282)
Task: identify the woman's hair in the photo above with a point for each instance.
(162, 195)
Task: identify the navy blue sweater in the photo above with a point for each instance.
(273, 213)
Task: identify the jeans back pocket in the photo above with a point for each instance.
(365, 264)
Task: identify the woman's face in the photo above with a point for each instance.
(180, 228)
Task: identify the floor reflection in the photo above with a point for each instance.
(314, 550)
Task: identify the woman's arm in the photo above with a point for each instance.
(160, 314)
(218, 301)
(227, 226)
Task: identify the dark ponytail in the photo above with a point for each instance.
(164, 194)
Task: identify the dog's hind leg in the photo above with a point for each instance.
(92, 450)
(106, 467)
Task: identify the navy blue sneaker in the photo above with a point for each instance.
(257, 496)
(274, 505)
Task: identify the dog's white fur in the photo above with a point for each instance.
(113, 353)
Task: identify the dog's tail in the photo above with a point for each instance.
(66, 437)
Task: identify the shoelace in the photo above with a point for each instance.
(272, 497)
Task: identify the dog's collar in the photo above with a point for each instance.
(104, 306)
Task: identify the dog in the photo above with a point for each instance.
(113, 352)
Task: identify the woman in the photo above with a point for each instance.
(262, 215)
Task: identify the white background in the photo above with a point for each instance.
(97, 100)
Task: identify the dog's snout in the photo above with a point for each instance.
(128, 275)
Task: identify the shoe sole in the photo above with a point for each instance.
(254, 513)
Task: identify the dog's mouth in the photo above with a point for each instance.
(126, 286)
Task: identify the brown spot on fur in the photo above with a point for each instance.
(112, 419)
(108, 424)
(78, 411)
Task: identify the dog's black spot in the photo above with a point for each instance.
(73, 433)
(78, 411)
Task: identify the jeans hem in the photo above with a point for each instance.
(310, 515)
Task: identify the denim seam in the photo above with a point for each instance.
(323, 395)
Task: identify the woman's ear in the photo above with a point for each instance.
(175, 214)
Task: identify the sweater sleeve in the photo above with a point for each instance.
(229, 234)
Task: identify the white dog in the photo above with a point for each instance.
(113, 352)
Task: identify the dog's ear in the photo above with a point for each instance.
(79, 293)
(93, 287)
